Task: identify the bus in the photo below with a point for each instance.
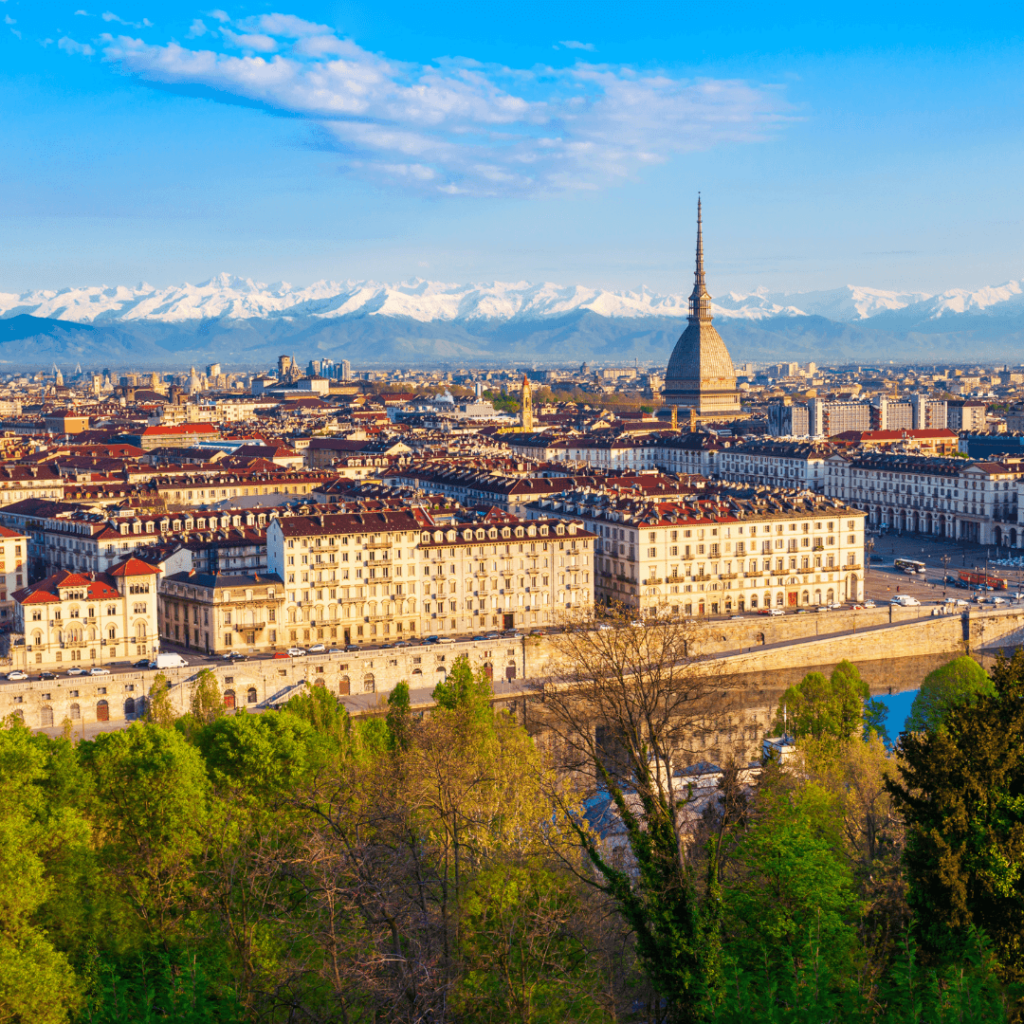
(966, 578)
(909, 566)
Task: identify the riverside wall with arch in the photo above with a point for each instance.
(518, 666)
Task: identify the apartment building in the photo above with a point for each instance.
(87, 620)
(13, 570)
(63, 536)
(365, 576)
(733, 552)
(954, 498)
(790, 464)
(18, 483)
(218, 614)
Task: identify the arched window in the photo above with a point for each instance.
(102, 711)
(76, 712)
(805, 598)
(753, 601)
(780, 599)
(129, 707)
(344, 686)
(229, 699)
(831, 597)
(369, 684)
(250, 697)
(46, 717)
(140, 631)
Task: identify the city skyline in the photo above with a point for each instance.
(821, 144)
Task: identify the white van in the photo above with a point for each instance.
(168, 661)
(906, 601)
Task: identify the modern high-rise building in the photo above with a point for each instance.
(346, 370)
(700, 373)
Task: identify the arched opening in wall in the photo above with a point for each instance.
(510, 670)
(102, 711)
(46, 717)
(741, 605)
(780, 599)
(489, 670)
(417, 671)
(369, 684)
(854, 587)
(805, 598)
(229, 699)
(129, 707)
(319, 681)
(753, 601)
(18, 714)
(830, 597)
(250, 696)
(76, 712)
(344, 686)
(817, 597)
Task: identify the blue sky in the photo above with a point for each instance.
(877, 145)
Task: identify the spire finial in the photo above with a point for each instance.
(700, 301)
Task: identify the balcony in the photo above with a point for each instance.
(753, 575)
(652, 581)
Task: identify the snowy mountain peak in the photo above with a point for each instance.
(226, 296)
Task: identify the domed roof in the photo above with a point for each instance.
(700, 355)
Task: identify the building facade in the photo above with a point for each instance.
(220, 614)
(87, 620)
(364, 577)
(721, 555)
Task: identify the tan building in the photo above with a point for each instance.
(20, 482)
(87, 620)
(366, 576)
(13, 570)
(220, 614)
(721, 555)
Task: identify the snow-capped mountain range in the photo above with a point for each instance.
(231, 298)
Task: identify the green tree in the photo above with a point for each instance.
(159, 710)
(462, 688)
(398, 719)
(821, 707)
(792, 895)
(207, 702)
(961, 681)
(37, 982)
(961, 793)
(151, 804)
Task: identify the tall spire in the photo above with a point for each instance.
(700, 301)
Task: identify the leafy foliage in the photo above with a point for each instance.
(961, 681)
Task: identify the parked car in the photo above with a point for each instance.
(316, 649)
(99, 671)
(869, 603)
(296, 652)
(76, 671)
(773, 611)
(604, 625)
(444, 640)
(47, 675)
(144, 663)
(334, 650)
(17, 676)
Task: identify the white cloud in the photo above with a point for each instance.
(110, 16)
(457, 126)
(249, 41)
(8, 20)
(196, 29)
(45, 42)
(572, 44)
(69, 45)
